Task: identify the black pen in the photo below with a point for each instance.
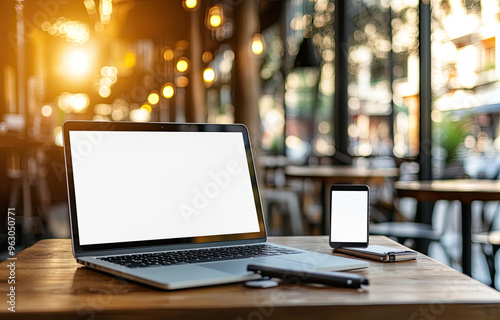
(336, 279)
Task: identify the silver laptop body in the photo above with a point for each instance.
(152, 189)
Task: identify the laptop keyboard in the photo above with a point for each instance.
(197, 255)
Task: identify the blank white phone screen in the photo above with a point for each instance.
(349, 216)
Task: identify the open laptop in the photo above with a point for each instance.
(172, 205)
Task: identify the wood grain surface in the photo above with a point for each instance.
(51, 285)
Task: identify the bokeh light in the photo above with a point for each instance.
(76, 103)
(181, 82)
(182, 65)
(257, 45)
(189, 4)
(140, 115)
(153, 98)
(215, 16)
(209, 75)
(207, 57)
(215, 20)
(103, 109)
(129, 60)
(109, 78)
(168, 90)
(104, 92)
(46, 111)
(146, 107)
(72, 31)
(58, 136)
(120, 109)
(168, 55)
(105, 10)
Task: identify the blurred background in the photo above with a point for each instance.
(358, 83)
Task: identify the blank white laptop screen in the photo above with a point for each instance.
(135, 186)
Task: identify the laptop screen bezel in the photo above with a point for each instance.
(240, 238)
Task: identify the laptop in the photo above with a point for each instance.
(172, 205)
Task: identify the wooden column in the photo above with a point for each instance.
(246, 69)
(195, 98)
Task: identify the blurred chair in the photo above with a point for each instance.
(421, 233)
(279, 199)
(288, 205)
(490, 243)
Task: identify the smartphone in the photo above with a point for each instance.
(349, 215)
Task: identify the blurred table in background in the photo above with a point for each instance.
(464, 190)
(329, 175)
(27, 191)
(343, 174)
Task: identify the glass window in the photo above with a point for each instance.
(465, 84)
(383, 71)
(309, 84)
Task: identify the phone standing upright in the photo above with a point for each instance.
(349, 215)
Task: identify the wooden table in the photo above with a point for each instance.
(51, 285)
(329, 175)
(343, 174)
(465, 190)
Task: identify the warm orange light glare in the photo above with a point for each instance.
(76, 62)
(130, 60)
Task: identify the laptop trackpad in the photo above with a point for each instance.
(178, 273)
(231, 267)
(240, 266)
